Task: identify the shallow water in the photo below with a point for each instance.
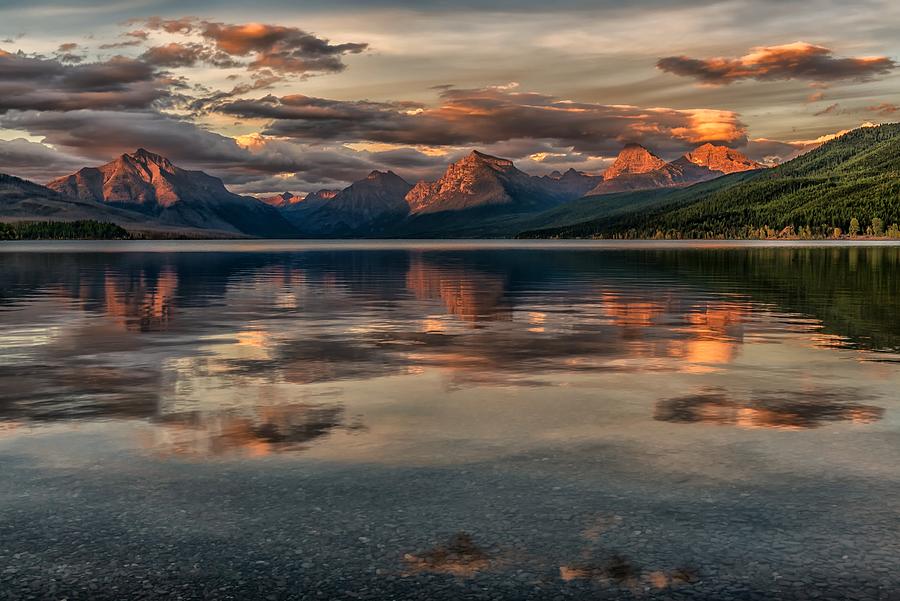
(449, 420)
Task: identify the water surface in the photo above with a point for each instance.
(449, 420)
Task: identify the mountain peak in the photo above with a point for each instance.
(382, 176)
(177, 197)
(721, 158)
(476, 158)
(321, 195)
(281, 200)
(144, 158)
(633, 159)
(144, 155)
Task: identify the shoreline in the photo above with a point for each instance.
(291, 245)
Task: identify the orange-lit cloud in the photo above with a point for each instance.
(490, 115)
(799, 60)
(885, 108)
(282, 49)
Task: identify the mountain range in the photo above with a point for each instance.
(636, 168)
(477, 196)
(149, 184)
(854, 178)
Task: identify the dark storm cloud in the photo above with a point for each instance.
(488, 116)
(298, 107)
(260, 80)
(275, 47)
(174, 55)
(799, 60)
(51, 85)
(66, 53)
(102, 135)
(35, 161)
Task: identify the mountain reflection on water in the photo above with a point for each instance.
(261, 352)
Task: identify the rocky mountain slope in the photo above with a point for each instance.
(481, 181)
(149, 183)
(721, 159)
(572, 184)
(632, 160)
(364, 207)
(636, 168)
(21, 200)
(282, 200)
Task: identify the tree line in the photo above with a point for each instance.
(62, 230)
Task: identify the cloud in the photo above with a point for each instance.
(174, 55)
(831, 108)
(35, 161)
(254, 164)
(775, 152)
(489, 116)
(287, 50)
(815, 97)
(50, 85)
(785, 409)
(102, 134)
(799, 60)
(885, 108)
(260, 80)
(183, 25)
(131, 38)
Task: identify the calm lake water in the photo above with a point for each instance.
(448, 421)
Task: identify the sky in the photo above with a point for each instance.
(287, 95)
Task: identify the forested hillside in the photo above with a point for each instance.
(848, 186)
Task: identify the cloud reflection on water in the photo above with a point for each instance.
(216, 349)
(783, 410)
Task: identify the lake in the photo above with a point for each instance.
(497, 420)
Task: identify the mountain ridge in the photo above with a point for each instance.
(854, 176)
(475, 193)
(636, 168)
(365, 205)
(147, 182)
(482, 182)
